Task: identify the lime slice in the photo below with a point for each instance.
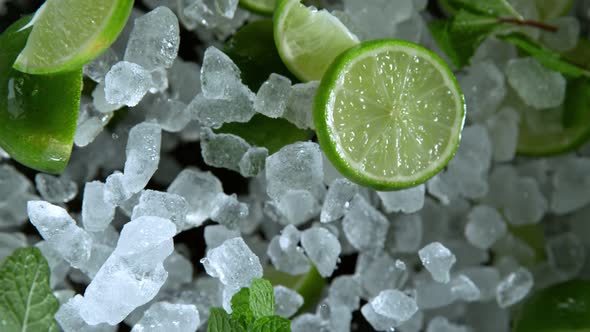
(560, 130)
(389, 114)
(69, 33)
(37, 113)
(560, 308)
(308, 39)
(549, 9)
(253, 50)
(262, 7)
(308, 285)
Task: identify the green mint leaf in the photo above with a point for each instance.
(494, 8)
(271, 324)
(262, 299)
(545, 56)
(26, 301)
(460, 36)
(221, 321)
(241, 309)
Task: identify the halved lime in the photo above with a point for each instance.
(389, 114)
(38, 113)
(262, 7)
(549, 9)
(69, 33)
(309, 39)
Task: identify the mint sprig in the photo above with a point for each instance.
(26, 301)
(252, 311)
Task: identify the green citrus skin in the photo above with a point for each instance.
(262, 7)
(38, 113)
(324, 133)
(70, 33)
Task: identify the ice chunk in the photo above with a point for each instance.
(538, 86)
(289, 237)
(9, 242)
(171, 114)
(287, 301)
(233, 263)
(389, 309)
(485, 279)
(228, 210)
(271, 99)
(322, 248)
(432, 294)
(413, 324)
(514, 287)
(296, 207)
(126, 84)
(100, 102)
(199, 190)
(215, 112)
(55, 189)
(438, 260)
(220, 77)
(566, 253)
(406, 200)
(503, 128)
(345, 291)
(307, 322)
(215, 235)
(180, 271)
(299, 109)
(90, 123)
(97, 212)
(185, 80)
(484, 89)
(464, 288)
(295, 166)
(165, 316)
(68, 317)
(133, 274)
(60, 231)
(405, 234)
(143, 155)
(98, 68)
(337, 200)
(442, 324)
(484, 227)
(526, 204)
(291, 260)
(58, 266)
(115, 191)
(567, 35)
(253, 161)
(226, 8)
(364, 226)
(223, 150)
(378, 18)
(154, 40)
(164, 205)
(383, 273)
(571, 186)
(496, 51)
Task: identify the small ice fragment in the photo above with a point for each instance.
(98, 68)
(484, 87)
(271, 99)
(295, 166)
(485, 279)
(215, 112)
(378, 18)
(364, 226)
(90, 123)
(297, 206)
(291, 260)
(566, 253)
(567, 35)
(143, 155)
(438, 260)
(395, 305)
(215, 235)
(503, 128)
(185, 80)
(441, 324)
(431, 294)
(307, 322)
(68, 317)
(406, 200)
(165, 316)
(300, 105)
(287, 301)
(126, 84)
(9, 242)
(199, 190)
(289, 237)
(484, 227)
(253, 161)
(171, 114)
(58, 266)
(536, 85)
(97, 212)
(220, 77)
(464, 289)
(55, 189)
(115, 191)
(154, 40)
(322, 248)
(404, 234)
(228, 210)
(61, 232)
(227, 8)
(383, 273)
(525, 204)
(514, 287)
(233, 263)
(222, 150)
(345, 291)
(337, 200)
(100, 102)
(164, 205)
(571, 185)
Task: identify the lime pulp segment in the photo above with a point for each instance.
(69, 33)
(389, 114)
(309, 39)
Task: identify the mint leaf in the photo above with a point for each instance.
(240, 305)
(221, 321)
(26, 301)
(271, 324)
(496, 8)
(545, 56)
(262, 299)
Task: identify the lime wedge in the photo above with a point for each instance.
(563, 307)
(262, 7)
(549, 9)
(389, 114)
(308, 39)
(37, 113)
(69, 33)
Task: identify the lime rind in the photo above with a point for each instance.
(309, 39)
(41, 56)
(334, 150)
(262, 7)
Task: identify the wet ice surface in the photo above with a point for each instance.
(442, 256)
